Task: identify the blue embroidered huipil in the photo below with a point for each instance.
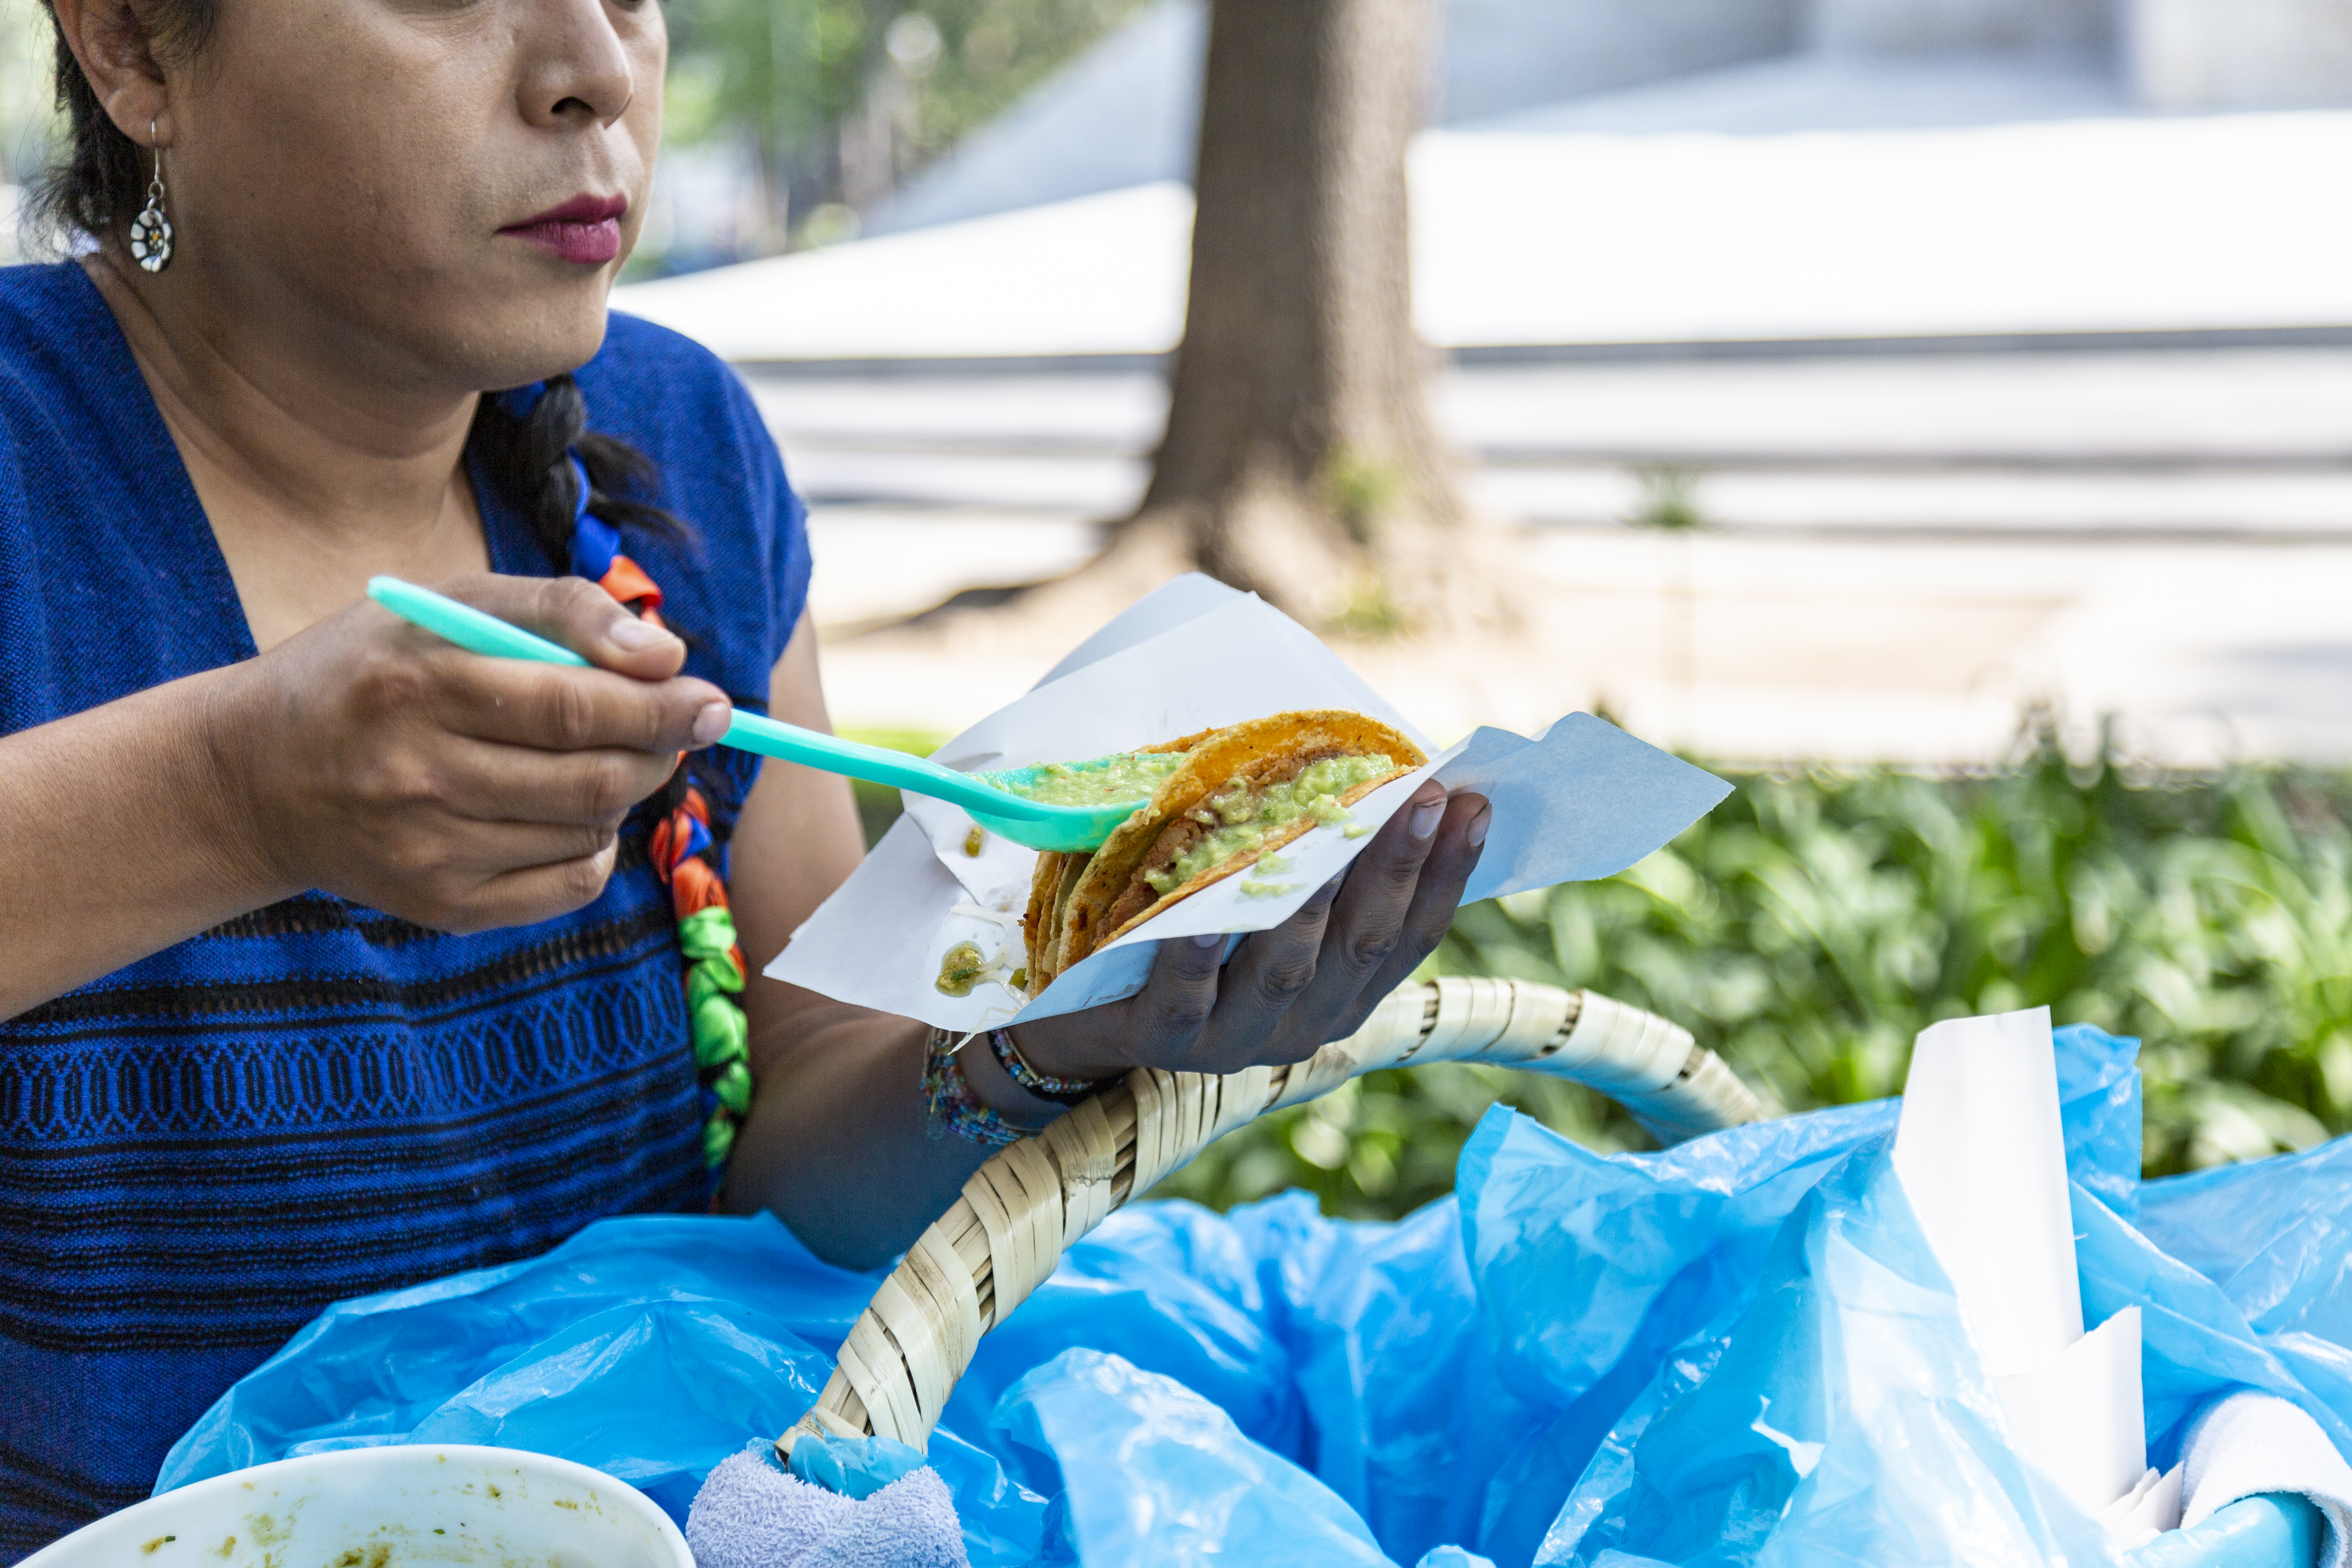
(316, 1101)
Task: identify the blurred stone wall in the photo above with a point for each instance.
(1128, 113)
(1961, 26)
(1125, 113)
(2232, 54)
(1506, 55)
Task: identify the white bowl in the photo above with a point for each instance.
(387, 1508)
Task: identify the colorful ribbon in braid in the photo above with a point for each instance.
(680, 849)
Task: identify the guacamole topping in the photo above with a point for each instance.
(1105, 781)
(1268, 866)
(1239, 818)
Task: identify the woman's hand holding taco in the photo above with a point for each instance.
(1287, 990)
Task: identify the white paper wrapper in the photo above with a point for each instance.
(1582, 800)
(2144, 1512)
(2079, 1415)
(1982, 1157)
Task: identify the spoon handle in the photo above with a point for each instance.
(469, 627)
(879, 764)
(476, 632)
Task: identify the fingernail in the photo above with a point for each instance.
(1331, 890)
(634, 634)
(712, 723)
(1478, 834)
(1425, 819)
(1209, 938)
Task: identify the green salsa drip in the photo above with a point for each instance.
(1106, 781)
(961, 969)
(1239, 818)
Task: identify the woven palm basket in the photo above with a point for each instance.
(1035, 1199)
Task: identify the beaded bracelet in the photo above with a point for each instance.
(1044, 1085)
(954, 1105)
(955, 1108)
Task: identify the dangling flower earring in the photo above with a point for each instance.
(150, 231)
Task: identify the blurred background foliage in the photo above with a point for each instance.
(782, 118)
(827, 104)
(1816, 919)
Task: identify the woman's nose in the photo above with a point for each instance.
(576, 66)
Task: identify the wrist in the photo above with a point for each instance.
(1045, 1052)
(1062, 1090)
(224, 785)
(996, 1088)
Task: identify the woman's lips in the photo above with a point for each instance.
(586, 229)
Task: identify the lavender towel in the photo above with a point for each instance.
(750, 1514)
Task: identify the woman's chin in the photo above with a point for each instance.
(520, 331)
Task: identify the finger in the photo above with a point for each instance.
(483, 781)
(1266, 979)
(579, 615)
(1368, 920)
(1454, 849)
(488, 850)
(1157, 1026)
(557, 709)
(531, 894)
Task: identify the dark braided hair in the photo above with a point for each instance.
(528, 456)
(534, 444)
(525, 457)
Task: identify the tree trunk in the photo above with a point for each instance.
(1300, 460)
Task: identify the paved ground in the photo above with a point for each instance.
(1906, 548)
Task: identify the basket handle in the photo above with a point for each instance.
(1035, 1199)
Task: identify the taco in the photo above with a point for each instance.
(1242, 793)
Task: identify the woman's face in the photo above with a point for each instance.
(443, 187)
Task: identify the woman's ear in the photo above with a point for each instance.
(112, 40)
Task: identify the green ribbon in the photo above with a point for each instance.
(706, 933)
(733, 1088)
(711, 977)
(721, 1034)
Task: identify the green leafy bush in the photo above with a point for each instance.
(1816, 919)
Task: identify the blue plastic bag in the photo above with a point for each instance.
(854, 1467)
(651, 1348)
(1734, 1352)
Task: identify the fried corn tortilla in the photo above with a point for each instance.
(1242, 794)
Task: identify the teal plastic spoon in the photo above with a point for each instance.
(1026, 822)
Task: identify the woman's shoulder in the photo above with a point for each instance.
(48, 299)
(58, 342)
(649, 382)
(686, 410)
(79, 432)
(718, 469)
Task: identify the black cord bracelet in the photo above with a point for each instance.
(1044, 1086)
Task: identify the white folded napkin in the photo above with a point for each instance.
(2251, 1442)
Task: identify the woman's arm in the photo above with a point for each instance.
(363, 757)
(838, 1143)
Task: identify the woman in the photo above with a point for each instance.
(339, 959)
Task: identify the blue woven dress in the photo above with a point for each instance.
(316, 1101)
